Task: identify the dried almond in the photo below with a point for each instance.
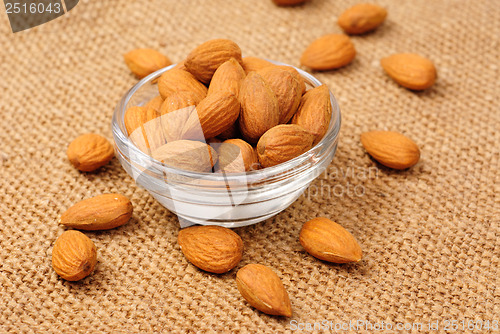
(236, 156)
(259, 107)
(232, 132)
(296, 75)
(329, 52)
(227, 78)
(362, 18)
(391, 149)
(143, 62)
(214, 249)
(315, 112)
(74, 256)
(101, 212)
(187, 154)
(89, 152)
(286, 88)
(207, 57)
(144, 127)
(179, 100)
(251, 64)
(328, 241)
(289, 2)
(175, 112)
(175, 80)
(410, 70)
(213, 115)
(263, 289)
(155, 103)
(282, 143)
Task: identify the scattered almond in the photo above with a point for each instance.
(204, 60)
(328, 241)
(391, 149)
(410, 70)
(101, 212)
(315, 112)
(213, 115)
(175, 80)
(89, 152)
(329, 52)
(362, 18)
(143, 62)
(282, 143)
(259, 107)
(74, 256)
(227, 78)
(214, 249)
(263, 289)
(187, 154)
(286, 88)
(236, 156)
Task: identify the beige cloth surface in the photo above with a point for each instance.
(430, 235)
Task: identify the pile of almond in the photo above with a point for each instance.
(253, 114)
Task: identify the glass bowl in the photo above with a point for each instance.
(225, 199)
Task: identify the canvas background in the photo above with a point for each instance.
(430, 235)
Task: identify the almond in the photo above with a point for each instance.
(74, 256)
(263, 289)
(315, 112)
(251, 64)
(289, 2)
(286, 88)
(259, 107)
(214, 249)
(391, 149)
(362, 18)
(89, 152)
(207, 57)
(329, 52)
(213, 115)
(175, 80)
(144, 128)
(328, 241)
(296, 75)
(187, 154)
(236, 156)
(282, 143)
(227, 78)
(143, 62)
(101, 212)
(175, 112)
(410, 70)
(155, 103)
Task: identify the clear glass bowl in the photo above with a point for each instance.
(232, 199)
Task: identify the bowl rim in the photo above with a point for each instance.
(118, 127)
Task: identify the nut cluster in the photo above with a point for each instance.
(253, 114)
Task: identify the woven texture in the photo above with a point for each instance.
(430, 235)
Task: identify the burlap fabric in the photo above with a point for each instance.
(430, 235)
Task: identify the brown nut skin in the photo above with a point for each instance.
(74, 256)
(187, 154)
(214, 249)
(328, 241)
(89, 152)
(410, 70)
(143, 62)
(362, 18)
(329, 52)
(391, 149)
(263, 289)
(282, 143)
(102, 212)
(237, 156)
